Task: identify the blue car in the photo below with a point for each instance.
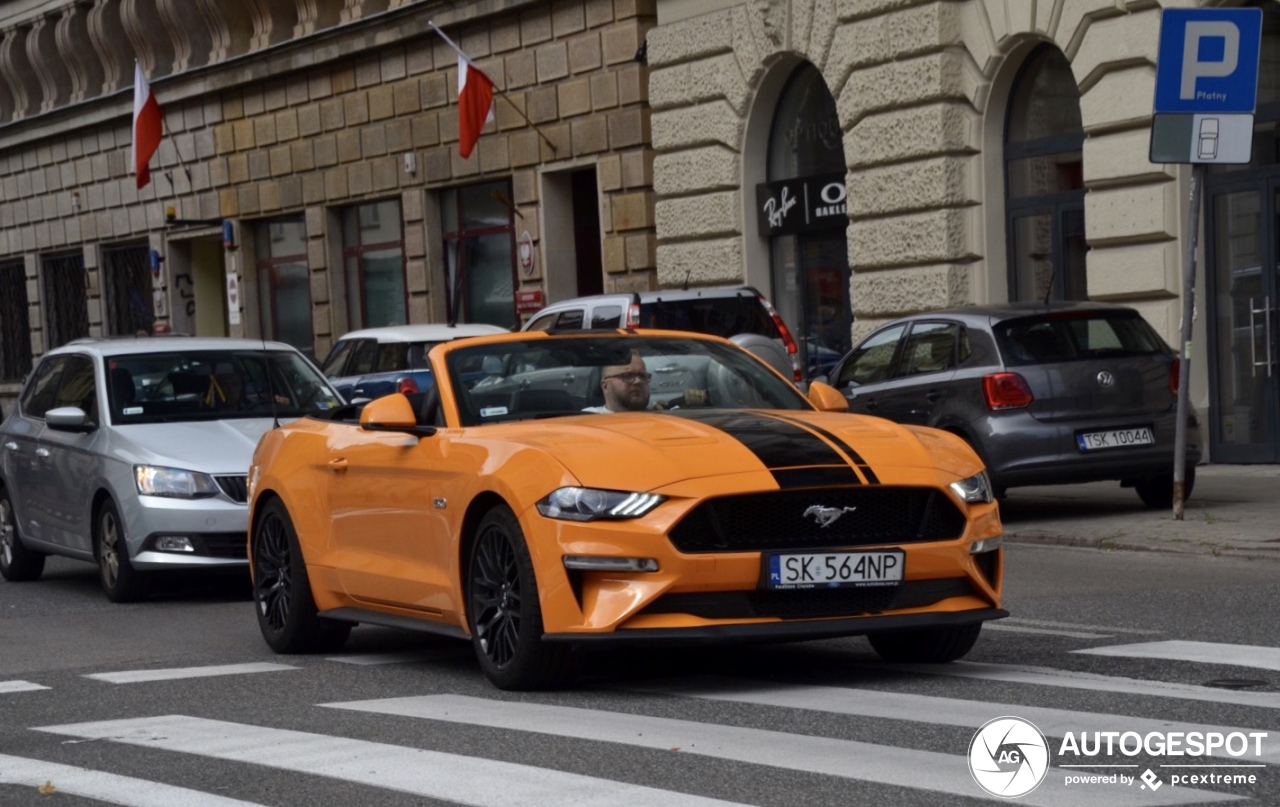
(373, 362)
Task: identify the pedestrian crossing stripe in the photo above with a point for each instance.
(932, 709)
(430, 774)
(109, 787)
(1234, 655)
(176, 673)
(19, 686)
(1046, 676)
(847, 759)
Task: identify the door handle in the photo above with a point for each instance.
(42, 453)
(872, 403)
(1265, 311)
(338, 465)
(12, 446)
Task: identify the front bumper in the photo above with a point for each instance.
(216, 527)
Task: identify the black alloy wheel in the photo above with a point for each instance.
(120, 581)
(17, 563)
(287, 613)
(504, 613)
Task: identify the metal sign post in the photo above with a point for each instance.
(1206, 94)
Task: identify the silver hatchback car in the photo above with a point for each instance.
(133, 453)
(1045, 393)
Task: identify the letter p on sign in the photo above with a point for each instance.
(1193, 67)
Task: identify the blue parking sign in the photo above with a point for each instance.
(1208, 60)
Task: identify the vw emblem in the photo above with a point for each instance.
(826, 516)
(1106, 380)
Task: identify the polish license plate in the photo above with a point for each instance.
(833, 569)
(1116, 438)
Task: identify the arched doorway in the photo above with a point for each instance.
(1044, 181)
(1242, 262)
(802, 212)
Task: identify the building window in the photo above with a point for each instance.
(15, 322)
(284, 282)
(479, 248)
(126, 289)
(1044, 181)
(64, 299)
(373, 254)
(804, 213)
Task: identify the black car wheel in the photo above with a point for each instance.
(17, 563)
(928, 646)
(1156, 492)
(119, 579)
(503, 611)
(282, 596)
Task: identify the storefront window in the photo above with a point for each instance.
(479, 248)
(373, 255)
(284, 281)
(1044, 182)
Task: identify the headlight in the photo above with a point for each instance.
(173, 483)
(976, 488)
(589, 504)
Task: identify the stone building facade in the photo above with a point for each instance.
(308, 181)
(991, 151)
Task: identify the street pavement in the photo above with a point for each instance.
(1233, 510)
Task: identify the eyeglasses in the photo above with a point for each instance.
(630, 378)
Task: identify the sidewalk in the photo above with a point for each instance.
(1234, 510)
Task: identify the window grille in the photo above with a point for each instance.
(15, 322)
(126, 290)
(64, 299)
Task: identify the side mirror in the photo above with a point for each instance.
(827, 398)
(392, 413)
(68, 419)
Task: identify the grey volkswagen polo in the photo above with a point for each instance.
(132, 453)
(1046, 393)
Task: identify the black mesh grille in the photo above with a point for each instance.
(234, 545)
(776, 521)
(235, 487)
(813, 603)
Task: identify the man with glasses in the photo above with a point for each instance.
(626, 389)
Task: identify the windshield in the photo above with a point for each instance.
(215, 385)
(563, 376)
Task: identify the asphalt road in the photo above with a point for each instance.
(814, 724)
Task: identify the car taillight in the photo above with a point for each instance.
(1006, 391)
(407, 385)
(633, 316)
(1175, 371)
(793, 349)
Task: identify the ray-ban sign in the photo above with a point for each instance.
(802, 205)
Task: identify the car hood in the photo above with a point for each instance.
(211, 446)
(646, 451)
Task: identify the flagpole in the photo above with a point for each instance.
(501, 93)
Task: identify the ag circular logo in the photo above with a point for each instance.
(1008, 757)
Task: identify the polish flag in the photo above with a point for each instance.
(146, 128)
(475, 99)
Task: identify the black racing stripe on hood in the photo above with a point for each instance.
(777, 443)
(872, 479)
(823, 476)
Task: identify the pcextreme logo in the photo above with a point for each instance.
(1008, 757)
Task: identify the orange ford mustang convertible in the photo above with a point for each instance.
(554, 490)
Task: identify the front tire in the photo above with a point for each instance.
(17, 563)
(120, 581)
(1156, 492)
(282, 598)
(926, 646)
(503, 610)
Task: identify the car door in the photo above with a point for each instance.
(922, 380)
(863, 373)
(25, 466)
(70, 463)
(389, 537)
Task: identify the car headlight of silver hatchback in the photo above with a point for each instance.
(590, 504)
(173, 483)
(974, 489)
